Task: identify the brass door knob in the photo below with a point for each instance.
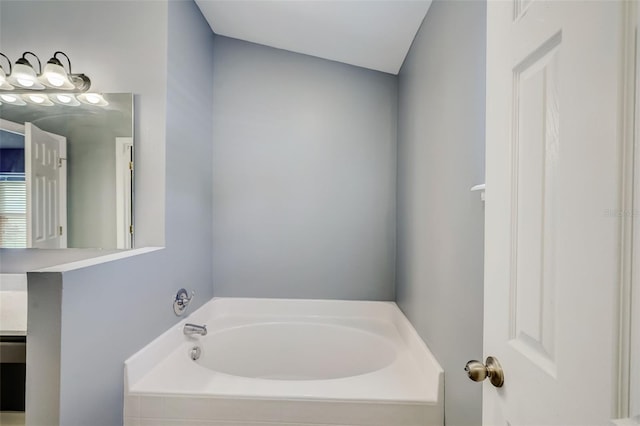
(492, 369)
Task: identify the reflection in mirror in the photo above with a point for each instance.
(66, 175)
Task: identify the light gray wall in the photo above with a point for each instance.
(440, 223)
(190, 94)
(91, 199)
(111, 310)
(304, 166)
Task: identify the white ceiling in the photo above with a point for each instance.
(373, 34)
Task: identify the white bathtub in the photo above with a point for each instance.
(287, 362)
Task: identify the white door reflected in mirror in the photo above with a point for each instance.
(45, 177)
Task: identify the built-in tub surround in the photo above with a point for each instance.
(286, 361)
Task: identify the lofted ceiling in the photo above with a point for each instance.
(374, 34)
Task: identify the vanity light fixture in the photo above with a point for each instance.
(54, 78)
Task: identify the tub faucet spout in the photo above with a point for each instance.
(191, 329)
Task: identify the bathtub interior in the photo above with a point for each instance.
(295, 351)
(353, 358)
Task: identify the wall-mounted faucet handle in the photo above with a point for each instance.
(182, 301)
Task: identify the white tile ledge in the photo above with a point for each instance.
(13, 305)
(13, 282)
(98, 260)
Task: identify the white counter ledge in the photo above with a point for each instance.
(13, 304)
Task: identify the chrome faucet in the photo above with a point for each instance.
(191, 329)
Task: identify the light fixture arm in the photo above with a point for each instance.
(26, 62)
(65, 55)
(8, 61)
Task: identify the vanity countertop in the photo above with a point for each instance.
(13, 304)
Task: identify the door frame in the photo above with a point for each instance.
(628, 406)
(124, 182)
(634, 391)
(62, 193)
(11, 126)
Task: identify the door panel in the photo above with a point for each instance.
(535, 148)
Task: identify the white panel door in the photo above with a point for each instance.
(552, 200)
(45, 176)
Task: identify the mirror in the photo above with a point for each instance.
(66, 175)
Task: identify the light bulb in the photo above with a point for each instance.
(55, 80)
(12, 99)
(92, 98)
(37, 99)
(64, 99)
(24, 82)
(55, 76)
(24, 75)
(4, 84)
